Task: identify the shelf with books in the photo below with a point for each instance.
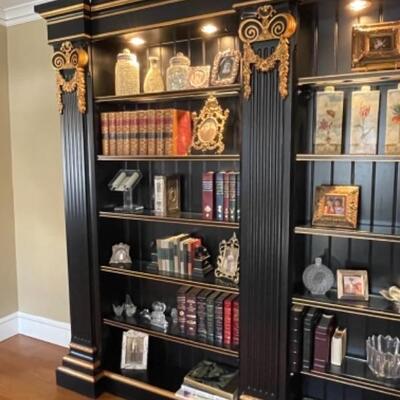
(355, 372)
(189, 158)
(378, 233)
(348, 157)
(140, 271)
(190, 94)
(172, 335)
(183, 218)
(351, 79)
(375, 307)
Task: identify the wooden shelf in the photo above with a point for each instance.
(364, 232)
(184, 218)
(140, 271)
(351, 79)
(219, 91)
(348, 157)
(375, 307)
(355, 372)
(200, 157)
(172, 335)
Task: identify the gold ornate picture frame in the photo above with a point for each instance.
(352, 284)
(228, 260)
(209, 127)
(336, 206)
(225, 67)
(376, 46)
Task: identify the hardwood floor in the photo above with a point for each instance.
(27, 371)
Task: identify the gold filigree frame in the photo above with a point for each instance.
(341, 215)
(217, 80)
(228, 260)
(267, 25)
(209, 127)
(73, 59)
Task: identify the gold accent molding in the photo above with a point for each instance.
(267, 25)
(80, 375)
(81, 363)
(65, 10)
(70, 58)
(85, 349)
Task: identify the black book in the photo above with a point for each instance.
(296, 338)
(310, 321)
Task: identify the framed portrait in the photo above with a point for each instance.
(228, 260)
(376, 46)
(199, 77)
(336, 206)
(392, 137)
(364, 121)
(134, 351)
(329, 122)
(352, 284)
(225, 68)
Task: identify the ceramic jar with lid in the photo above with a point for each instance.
(127, 76)
(178, 72)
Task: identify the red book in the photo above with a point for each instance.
(193, 245)
(228, 320)
(322, 342)
(105, 139)
(235, 323)
(181, 307)
(208, 195)
(183, 140)
(226, 195)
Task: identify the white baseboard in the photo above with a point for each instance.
(8, 326)
(45, 329)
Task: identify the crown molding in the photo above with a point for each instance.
(19, 14)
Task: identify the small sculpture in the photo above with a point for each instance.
(120, 256)
(130, 308)
(392, 295)
(158, 319)
(118, 310)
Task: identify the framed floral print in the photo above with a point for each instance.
(336, 206)
(329, 122)
(364, 121)
(392, 138)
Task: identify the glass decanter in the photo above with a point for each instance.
(153, 81)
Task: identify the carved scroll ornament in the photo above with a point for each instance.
(267, 25)
(75, 60)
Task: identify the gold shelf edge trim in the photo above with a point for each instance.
(186, 159)
(347, 309)
(85, 349)
(171, 338)
(81, 363)
(80, 375)
(65, 10)
(360, 235)
(138, 384)
(112, 4)
(171, 280)
(350, 382)
(348, 158)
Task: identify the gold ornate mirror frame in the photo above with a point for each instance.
(76, 59)
(268, 24)
(209, 127)
(228, 260)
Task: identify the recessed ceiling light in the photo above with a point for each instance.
(209, 29)
(137, 41)
(359, 5)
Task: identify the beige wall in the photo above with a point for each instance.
(37, 175)
(8, 276)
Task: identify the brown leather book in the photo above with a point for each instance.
(159, 128)
(105, 139)
(119, 134)
(322, 342)
(133, 133)
(112, 132)
(142, 126)
(125, 130)
(151, 132)
(168, 131)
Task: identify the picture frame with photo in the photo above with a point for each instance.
(336, 206)
(364, 121)
(352, 284)
(134, 352)
(225, 67)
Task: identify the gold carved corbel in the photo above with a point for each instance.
(267, 24)
(74, 60)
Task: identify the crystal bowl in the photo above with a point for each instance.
(383, 356)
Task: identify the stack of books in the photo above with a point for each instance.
(208, 316)
(146, 132)
(210, 381)
(221, 196)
